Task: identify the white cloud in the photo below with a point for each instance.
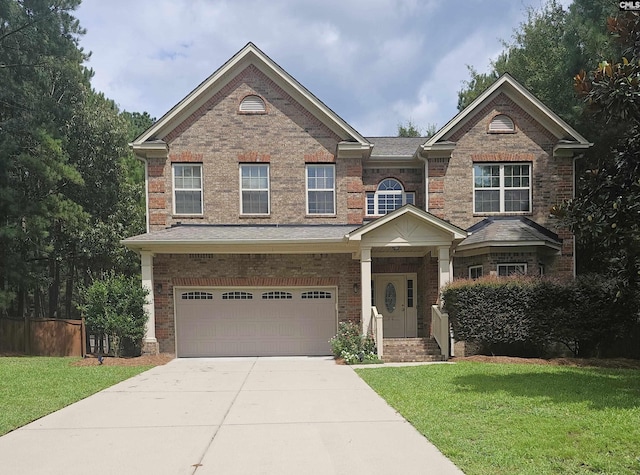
(375, 62)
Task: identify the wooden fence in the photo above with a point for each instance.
(43, 337)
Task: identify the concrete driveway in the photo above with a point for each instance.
(227, 416)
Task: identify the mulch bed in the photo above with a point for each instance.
(144, 360)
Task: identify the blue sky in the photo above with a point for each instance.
(376, 63)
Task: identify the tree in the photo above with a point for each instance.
(606, 215)
(547, 50)
(42, 80)
(411, 130)
(115, 307)
(62, 146)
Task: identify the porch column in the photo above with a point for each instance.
(150, 343)
(365, 288)
(444, 268)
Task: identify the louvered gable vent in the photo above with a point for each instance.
(502, 123)
(252, 104)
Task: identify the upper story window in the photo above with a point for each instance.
(389, 197)
(502, 188)
(187, 188)
(254, 188)
(321, 189)
(501, 124)
(253, 104)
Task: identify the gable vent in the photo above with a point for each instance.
(253, 104)
(502, 123)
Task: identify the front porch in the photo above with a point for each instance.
(404, 305)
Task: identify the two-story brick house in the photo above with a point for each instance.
(270, 219)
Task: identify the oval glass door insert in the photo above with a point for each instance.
(390, 297)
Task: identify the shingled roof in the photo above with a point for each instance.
(513, 231)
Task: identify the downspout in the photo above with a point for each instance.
(146, 185)
(573, 195)
(426, 181)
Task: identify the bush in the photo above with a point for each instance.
(525, 312)
(353, 347)
(114, 306)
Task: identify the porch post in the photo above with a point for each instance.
(150, 343)
(365, 288)
(444, 268)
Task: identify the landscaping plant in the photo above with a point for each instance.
(351, 346)
(115, 307)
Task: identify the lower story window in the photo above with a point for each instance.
(505, 270)
(475, 272)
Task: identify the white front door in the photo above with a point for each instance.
(395, 300)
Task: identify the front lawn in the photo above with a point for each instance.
(32, 387)
(510, 419)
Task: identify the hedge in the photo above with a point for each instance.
(582, 314)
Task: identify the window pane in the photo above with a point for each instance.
(255, 189)
(390, 184)
(370, 203)
(188, 202)
(516, 200)
(487, 201)
(410, 198)
(388, 202)
(255, 202)
(486, 176)
(321, 202)
(511, 269)
(320, 189)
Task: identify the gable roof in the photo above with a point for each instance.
(509, 231)
(568, 137)
(455, 232)
(249, 55)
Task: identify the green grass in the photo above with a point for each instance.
(32, 387)
(501, 419)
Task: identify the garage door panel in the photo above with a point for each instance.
(240, 322)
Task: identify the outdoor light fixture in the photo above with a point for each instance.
(356, 288)
(158, 288)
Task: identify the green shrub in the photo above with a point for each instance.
(582, 314)
(114, 306)
(353, 347)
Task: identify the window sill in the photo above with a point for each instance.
(254, 216)
(187, 216)
(312, 216)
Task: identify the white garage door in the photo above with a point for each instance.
(255, 322)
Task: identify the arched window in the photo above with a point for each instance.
(501, 124)
(253, 104)
(389, 197)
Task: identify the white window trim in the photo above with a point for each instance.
(502, 188)
(475, 267)
(268, 190)
(401, 191)
(306, 185)
(173, 185)
(507, 264)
